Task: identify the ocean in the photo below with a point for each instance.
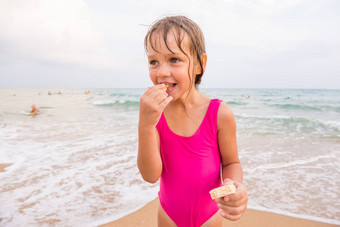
(74, 164)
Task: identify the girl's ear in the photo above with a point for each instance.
(198, 70)
(204, 58)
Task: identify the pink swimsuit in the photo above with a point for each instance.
(191, 168)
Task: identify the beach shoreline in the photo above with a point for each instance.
(147, 217)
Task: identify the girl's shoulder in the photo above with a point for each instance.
(225, 116)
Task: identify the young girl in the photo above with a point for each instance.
(185, 137)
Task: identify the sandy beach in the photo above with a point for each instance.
(147, 217)
(3, 166)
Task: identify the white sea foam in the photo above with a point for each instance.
(309, 160)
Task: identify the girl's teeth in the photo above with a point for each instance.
(169, 86)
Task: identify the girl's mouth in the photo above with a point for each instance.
(170, 86)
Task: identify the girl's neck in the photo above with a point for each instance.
(184, 116)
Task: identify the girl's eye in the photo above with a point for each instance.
(153, 62)
(174, 60)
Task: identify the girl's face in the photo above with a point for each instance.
(174, 68)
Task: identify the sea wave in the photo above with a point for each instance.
(46, 107)
(287, 106)
(110, 103)
(305, 107)
(283, 124)
(271, 166)
(236, 103)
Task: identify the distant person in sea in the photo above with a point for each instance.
(34, 110)
(49, 93)
(184, 136)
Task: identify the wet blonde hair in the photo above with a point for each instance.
(180, 26)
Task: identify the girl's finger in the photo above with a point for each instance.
(165, 102)
(232, 210)
(150, 90)
(156, 91)
(236, 203)
(240, 195)
(230, 216)
(159, 97)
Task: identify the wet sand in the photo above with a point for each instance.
(147, 217)
(3, 167)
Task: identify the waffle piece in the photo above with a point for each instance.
(166, 87)
(222, 191)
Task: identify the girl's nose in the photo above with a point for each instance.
(163, 70)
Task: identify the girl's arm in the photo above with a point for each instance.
(232, 206)
(152, 104)
(231, 166)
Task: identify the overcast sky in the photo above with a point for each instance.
(99, 43)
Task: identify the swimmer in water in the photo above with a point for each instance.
(34, 111)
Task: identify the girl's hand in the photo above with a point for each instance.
(152, 104)
(233, 206)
